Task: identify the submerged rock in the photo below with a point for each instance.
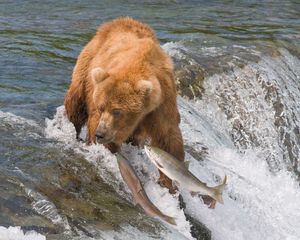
(198, 230)
(88, 203)
(189, 80)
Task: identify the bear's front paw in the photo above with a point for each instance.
(79, 139)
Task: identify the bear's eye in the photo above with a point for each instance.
(101, 109)
(117, 112)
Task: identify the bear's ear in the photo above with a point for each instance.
(144, 86)
(98, 75)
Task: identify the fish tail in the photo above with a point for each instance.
(218, 191)
(170, 220)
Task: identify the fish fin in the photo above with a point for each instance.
(170, 220)
(134, 202)
(218, 191)
(194, 194)
(212, 205)
(174, 182)
(187, 164)
(139, 186)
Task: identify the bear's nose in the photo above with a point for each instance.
(100, 135)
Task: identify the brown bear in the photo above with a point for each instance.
(122, 87)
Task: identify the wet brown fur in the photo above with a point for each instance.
(128, 51)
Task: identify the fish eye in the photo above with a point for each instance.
(117, 112)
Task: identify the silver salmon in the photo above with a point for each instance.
(138, 192)
(179, 173)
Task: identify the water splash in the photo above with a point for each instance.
(47, 209)
(15, 233)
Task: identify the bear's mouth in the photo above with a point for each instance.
(104, 140)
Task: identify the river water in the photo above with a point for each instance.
(238, 74)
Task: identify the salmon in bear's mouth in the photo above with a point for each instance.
(106, 137)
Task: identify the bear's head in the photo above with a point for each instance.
(121, 104)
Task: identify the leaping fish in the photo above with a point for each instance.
(179, 173)
(138, 192)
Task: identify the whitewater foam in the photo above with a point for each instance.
(10, 118)
(16, 233)
(23, 125)
(46, 208)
